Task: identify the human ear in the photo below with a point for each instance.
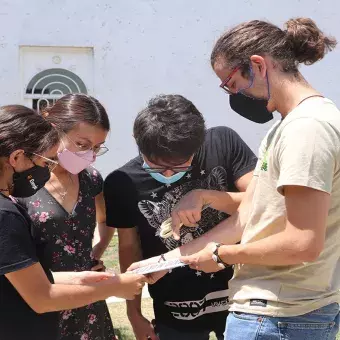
(259, 65)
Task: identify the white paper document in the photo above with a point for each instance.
(156, 267)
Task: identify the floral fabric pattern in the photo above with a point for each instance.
(67, 240)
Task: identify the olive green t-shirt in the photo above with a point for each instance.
(303, 149)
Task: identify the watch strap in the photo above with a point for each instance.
(217, 258)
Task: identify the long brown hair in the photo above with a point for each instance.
(72, 109)
(300, 42)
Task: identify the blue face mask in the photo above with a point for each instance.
(163, 179)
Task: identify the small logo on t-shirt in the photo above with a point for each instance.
(264, 165)
(258, 302)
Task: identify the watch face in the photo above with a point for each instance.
(214, 257)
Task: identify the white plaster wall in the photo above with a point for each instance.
(145, 47)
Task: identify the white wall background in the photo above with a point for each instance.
(146, 47)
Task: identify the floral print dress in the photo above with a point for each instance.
(67, 240)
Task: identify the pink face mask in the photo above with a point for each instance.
(75, 162)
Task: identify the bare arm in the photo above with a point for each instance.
(302, 240)
(103, 233)
(243, 182)
(226, 232)
(188, 211)
(305, 164)
(42, 296)
(68, 278)
(130, 252)
(79, 278)
(229, 202)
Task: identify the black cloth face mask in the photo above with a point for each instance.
(28, 182)
(249, 108)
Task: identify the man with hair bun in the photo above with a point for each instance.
(287, 267)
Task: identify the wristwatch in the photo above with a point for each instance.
(217, 258)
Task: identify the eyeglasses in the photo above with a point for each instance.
(175, 169)
(98, 150)
(241, 90)
(227, 80)
(51, 164)
(162, 169)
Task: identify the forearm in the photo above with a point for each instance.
(62, 297)
(103, 233)
(282, 249)
(227, 232)
(227, 202)
(134, 307)
(127, 256)
(67, 278)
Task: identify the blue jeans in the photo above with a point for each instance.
(321, 324)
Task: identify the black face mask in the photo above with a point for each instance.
(249, 108)
(28, 182)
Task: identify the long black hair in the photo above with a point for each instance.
(23, 128)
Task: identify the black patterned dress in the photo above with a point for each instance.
(68, 245)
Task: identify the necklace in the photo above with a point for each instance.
(8, 189)
(62, 194)
(301, 101)
(313, 95)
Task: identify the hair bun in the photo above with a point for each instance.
(308, 42)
